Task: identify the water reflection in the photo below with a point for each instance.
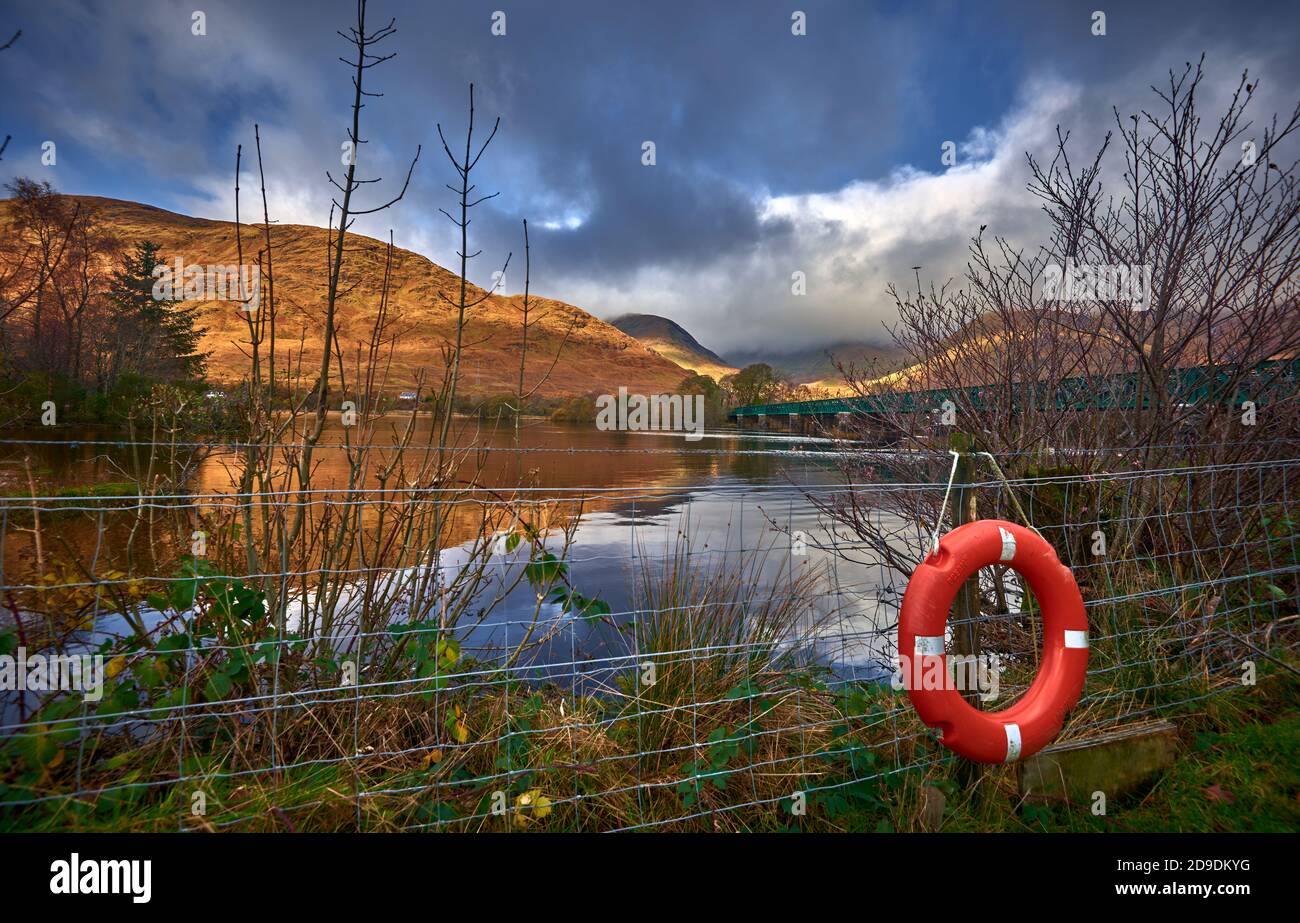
(728, 496)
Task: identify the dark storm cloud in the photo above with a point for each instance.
(775, 153)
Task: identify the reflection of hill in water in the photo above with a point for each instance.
(625, 481)
(639, 496)
(643, 509)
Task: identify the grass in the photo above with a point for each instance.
(710, 741)
(110, 489)
(735, 730)
(60, 508)
(724, 755)
(1236, 772)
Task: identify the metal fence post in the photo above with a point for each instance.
(966, 634)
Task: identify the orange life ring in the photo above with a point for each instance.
(1033, 722)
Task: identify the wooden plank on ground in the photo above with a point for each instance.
(1117, 762)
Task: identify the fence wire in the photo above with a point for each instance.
(708, 655)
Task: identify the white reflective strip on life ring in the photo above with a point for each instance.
(929, 646)
(1075, 638)
(1013, 742)
(1008, 544)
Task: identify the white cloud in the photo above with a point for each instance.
(852, 242)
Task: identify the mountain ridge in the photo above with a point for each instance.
(674, 342)
(595, 356)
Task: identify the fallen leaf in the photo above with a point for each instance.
(529, 806)
(1219, 794)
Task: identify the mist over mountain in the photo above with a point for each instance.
(817, 364)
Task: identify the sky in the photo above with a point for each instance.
(775, 153)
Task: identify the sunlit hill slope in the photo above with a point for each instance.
(596, 357)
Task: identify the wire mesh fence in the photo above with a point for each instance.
(715, 653)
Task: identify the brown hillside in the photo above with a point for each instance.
(991, 348)
(672, 341)
(596, 358)
(687, 359)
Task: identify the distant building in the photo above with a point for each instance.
(408, 395)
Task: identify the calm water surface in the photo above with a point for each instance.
(728, 494)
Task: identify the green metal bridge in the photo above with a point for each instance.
(1194, 385)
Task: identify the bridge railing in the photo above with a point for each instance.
(1196, 385)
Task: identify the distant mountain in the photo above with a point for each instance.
(814, 366)
(817, 365)
(596, 356)
(990, 347)
(672, 341)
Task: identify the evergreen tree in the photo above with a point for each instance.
(156, 338)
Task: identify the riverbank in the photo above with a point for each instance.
(1236, 772)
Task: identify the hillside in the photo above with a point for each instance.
(596, 358)
(672, 341)
(816, 366)
(1023, 347)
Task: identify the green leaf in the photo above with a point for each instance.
(181, 594)
(448, 653)
(198, 567)
(545, 570)
(175, 642)
(594, 608)
(438, 811)
(38, 747)
(742, 691)
(218, 687)
(147, 673)
(173, 699)
(237, 667)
